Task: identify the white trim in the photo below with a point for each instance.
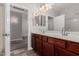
(29, 25)
(29, 31)
(7, 29)
(19, 6)
(30, 48)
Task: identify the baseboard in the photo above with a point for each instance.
(30, 48)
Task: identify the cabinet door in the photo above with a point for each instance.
(63, 52)
(39, 47)
(33, 42)
(60, 43)
(48, 49)
(74, 47)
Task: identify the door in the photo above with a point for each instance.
(1, 30)
(48, 49)
(7, 29)
(39, 46)
(4, 29)
(33, 41)
(63, 52)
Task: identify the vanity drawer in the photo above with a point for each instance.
(40, 36)
(51, 40)
(37, 36)
(60, 43)
(44, 38)
(74, 47)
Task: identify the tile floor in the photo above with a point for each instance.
(19, 48)
(23, 52)
(18, 44)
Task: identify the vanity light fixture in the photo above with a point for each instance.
(45, 7)
(36, 13)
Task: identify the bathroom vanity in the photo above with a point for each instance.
(58, 37)
(49, 45)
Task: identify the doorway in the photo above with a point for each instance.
(18, 30)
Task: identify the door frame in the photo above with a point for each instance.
(7, 29)
(29, 22)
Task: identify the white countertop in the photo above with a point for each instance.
(55, 34)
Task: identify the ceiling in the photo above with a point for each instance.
(70, 10)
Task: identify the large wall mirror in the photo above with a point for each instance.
(40, 20)
(56, 23)
(72, 25)
(50, 23)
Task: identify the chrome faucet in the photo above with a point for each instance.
(42, 30)
(64, 32)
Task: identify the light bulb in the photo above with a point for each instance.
(43, 8)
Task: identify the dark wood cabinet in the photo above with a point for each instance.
(33, 42)
(63, 52)
(51, 40)
(49, 46)
(48, 49)
(39, 46)
(60, 43)
(44, 38)
(72, 46)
